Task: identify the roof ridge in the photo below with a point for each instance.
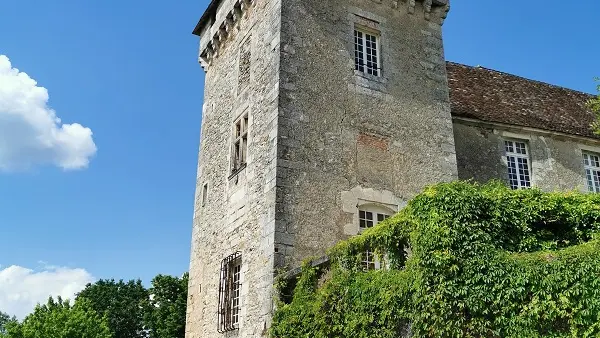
(521, 77)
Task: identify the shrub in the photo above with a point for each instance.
(485, 261)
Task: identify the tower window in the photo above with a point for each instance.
(517, 159)
(366, 52)
(368, 219)
(229, 293)
(240, 143)
(591, 163)
(204, 193)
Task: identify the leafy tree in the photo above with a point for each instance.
(5, 321)
(165, 316)
(122, 303)
(58, 319)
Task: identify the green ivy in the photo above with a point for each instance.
(484, 261)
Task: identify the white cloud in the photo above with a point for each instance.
(30, 132)
(21, 288)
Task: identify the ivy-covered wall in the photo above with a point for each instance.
(461, 260)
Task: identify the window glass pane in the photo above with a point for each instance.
(512, 172)
(366, 53)
(358, 51)
(508, 146)
(591, 163)
(517, 160)
(520, 148)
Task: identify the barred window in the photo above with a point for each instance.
(368, 219)
(366, 52)
(229, 293)
(240, 143)
(517, 158)
(591, 163)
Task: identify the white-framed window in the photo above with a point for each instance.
(518, 163)
(591, 163)
(229, 293)
(367, 52)
(368, 217)
(240, 143)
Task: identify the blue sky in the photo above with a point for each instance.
(128, 71)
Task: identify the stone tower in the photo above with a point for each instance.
(320, 118)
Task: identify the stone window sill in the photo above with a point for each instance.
(369, 77)
(237, 171)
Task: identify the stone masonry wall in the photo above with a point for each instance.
(346, 139)
(556, 160)
(239, 211)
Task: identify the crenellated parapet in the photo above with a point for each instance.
(223, 17)
(216, 26)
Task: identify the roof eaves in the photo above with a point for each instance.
(209, 12)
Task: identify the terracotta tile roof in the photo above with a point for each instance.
(493, 96)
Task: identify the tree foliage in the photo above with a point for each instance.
(485, 261)
(109, 308)
(594, 105)
(58, 319)
(123, 303)
(166, 313)
(5, 321)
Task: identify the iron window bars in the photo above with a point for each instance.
(229, 293)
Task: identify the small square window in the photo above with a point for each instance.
(366, 52)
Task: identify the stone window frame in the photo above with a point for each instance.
(369, 22)
(359, 196)
(239, 143)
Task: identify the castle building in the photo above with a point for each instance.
(322, 118)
